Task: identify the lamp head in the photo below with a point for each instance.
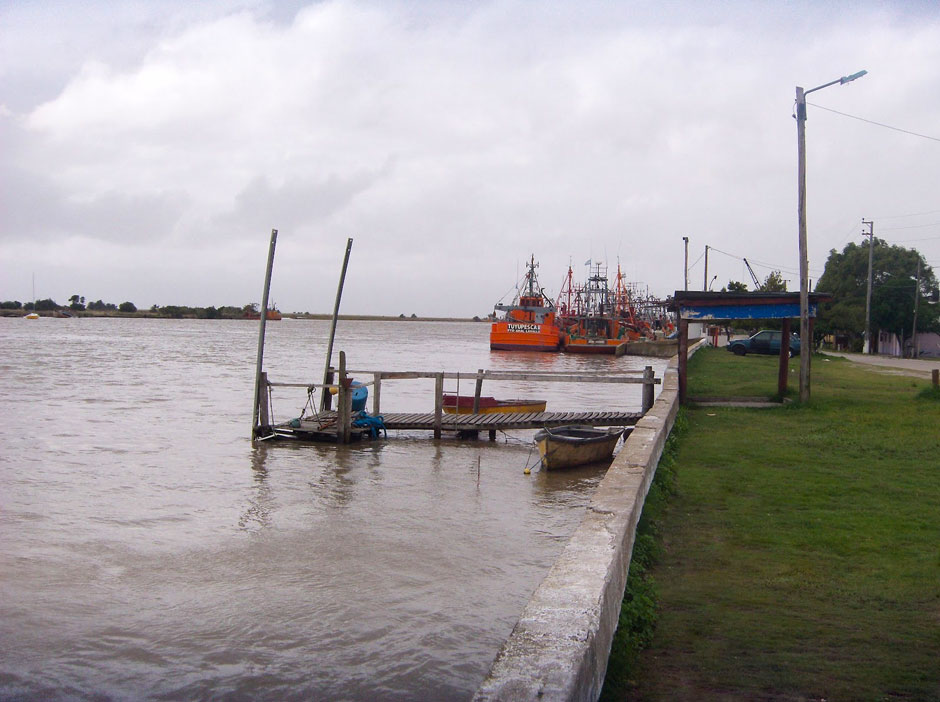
(848, 79)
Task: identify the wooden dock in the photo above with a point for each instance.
(324, 427)
(327, 424)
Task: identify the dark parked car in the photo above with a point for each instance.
(764, 341)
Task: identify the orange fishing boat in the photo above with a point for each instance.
(596, 319)
(463, 404)
(529, 322)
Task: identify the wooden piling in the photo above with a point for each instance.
(329, 348)
(256, 408)
(264, 411)
(683, 358)
(648, 389)
(784, 365)
(376, 393)
(343, 420)
(438, 404)
(477, 391)
(935, 377)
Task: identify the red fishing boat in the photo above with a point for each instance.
(528, 323)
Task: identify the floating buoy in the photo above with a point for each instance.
(527, 470)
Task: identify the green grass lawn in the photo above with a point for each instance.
(800, 556)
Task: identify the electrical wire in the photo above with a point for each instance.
(877, 124)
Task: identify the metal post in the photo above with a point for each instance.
(685, 278)
(329, 348)
(256, 407)
(705, 281)
(866, 346)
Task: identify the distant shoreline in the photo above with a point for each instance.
(146, 314)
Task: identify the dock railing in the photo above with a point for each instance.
(343, 384)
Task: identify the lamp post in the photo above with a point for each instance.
(806, 343)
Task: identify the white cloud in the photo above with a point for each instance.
(453, 141)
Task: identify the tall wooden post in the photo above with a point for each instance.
(784, 368)
(648, 389)
(329, 349)
(256, 406)
(683, 358)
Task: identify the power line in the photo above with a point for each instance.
(878, 124)
(901, 216)
(913, 226)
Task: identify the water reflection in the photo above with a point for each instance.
(257, 514)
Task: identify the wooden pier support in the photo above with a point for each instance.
(438, 404)
(648, 389)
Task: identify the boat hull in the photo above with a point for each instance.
(521, 336)
(490, 405)
(613, 347)
(570, 446)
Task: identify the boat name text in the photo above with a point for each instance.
(525, 328)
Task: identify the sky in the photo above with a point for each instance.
(149, 147)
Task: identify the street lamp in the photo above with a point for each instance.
(806, 343)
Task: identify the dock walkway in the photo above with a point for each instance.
(461, 423)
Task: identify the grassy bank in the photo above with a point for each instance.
(800, 556)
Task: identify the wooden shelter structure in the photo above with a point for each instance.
(705, 307)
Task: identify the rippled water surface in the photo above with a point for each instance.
(149, 550)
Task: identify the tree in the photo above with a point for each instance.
(894, 271)
(76, 302)
(127, 307)
(774, 282)
(736, 286)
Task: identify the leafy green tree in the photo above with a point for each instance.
(736, 286)
(76, 302)
(11, 305)
(894, 276)
(774, 282)
(46, 305)
(127, 307)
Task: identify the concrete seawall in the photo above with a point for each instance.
(559, 648)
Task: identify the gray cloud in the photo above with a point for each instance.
(451, 141)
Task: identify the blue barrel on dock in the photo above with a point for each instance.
(360, 393)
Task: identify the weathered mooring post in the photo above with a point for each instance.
(439, 404)
(256, 408)
(648, 389)
(325, 396)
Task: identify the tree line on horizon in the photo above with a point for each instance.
(77, 304)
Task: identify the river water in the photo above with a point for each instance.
(149, 551)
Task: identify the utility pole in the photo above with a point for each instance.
(866, 346)
(806, 341)
(686, 276)
(705, 281)
(914, 353)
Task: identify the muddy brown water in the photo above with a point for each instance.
(149, 551)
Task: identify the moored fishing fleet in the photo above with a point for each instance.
(591, 317)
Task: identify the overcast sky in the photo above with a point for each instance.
(148, 148)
